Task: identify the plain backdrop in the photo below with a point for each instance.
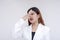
(12, 10)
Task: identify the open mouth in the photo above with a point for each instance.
(31, 19)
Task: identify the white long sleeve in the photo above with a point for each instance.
(18, 30)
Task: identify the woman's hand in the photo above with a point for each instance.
(25, 17)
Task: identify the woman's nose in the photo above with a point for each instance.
(30, 14)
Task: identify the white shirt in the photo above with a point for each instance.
(24, 32)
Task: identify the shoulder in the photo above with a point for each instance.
(45, 28)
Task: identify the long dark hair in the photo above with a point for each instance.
(40, 20)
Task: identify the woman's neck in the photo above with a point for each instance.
(34, 26)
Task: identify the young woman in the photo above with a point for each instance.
(34, 29)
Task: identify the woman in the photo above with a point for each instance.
(35, 29)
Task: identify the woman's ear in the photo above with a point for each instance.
(38, 15)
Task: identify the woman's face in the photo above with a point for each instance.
(33, 17)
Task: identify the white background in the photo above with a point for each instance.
(12, 10)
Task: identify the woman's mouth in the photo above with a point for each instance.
(31, 19)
